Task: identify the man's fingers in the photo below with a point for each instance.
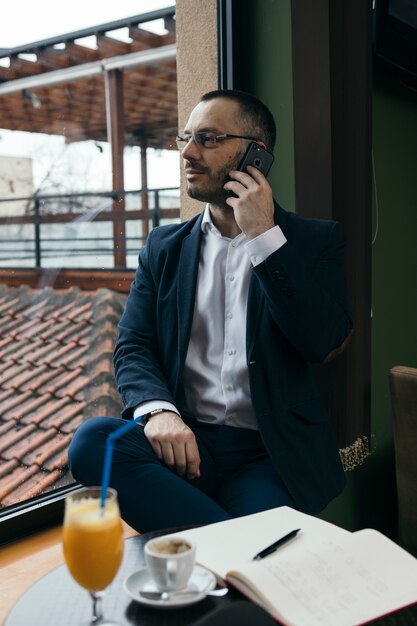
(256, 174)
(156, 448)
(193, 459)
(187, 458)
(179, 454)
(168, 455)
(174, 444)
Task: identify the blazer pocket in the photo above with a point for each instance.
(310, 411)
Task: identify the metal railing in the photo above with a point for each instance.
(57, 229)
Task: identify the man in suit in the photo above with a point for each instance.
(225, 315)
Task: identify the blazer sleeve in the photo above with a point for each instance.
(138, 371)
(304, 286)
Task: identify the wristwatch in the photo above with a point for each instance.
(148, 416)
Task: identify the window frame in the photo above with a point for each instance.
(34, 514)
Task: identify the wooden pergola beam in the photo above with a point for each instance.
(144, 183)
(115, 129)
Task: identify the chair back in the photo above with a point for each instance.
(403, 385)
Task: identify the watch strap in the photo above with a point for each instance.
(148, 416)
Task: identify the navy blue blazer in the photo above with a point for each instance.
(297, 314)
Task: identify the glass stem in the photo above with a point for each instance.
(97, 597)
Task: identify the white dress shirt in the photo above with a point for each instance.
(215, 377)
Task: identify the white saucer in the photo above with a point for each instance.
(201, 580)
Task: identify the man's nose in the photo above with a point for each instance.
(191, 150)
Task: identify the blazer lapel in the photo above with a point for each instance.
(187, 280)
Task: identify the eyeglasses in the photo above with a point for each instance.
(207, 140)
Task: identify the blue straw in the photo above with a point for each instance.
(109, 454)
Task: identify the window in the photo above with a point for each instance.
(74, 205)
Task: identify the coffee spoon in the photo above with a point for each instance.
(170, 595)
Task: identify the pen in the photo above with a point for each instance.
(274, 546)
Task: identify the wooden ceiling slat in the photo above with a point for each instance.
(7, 74)
(22, 67)
(80, 54)
(145, 37)
(76, 109)
(109, 46)
(53, 59)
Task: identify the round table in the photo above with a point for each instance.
(57, 600)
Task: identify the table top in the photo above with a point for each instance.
(57, 599)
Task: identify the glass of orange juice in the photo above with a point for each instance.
(93, 543)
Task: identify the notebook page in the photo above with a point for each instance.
(226, 545)
(346, 581)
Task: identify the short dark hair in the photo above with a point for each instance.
(256, 115)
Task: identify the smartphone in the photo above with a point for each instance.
(257, 156)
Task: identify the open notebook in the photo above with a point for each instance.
(325, 576)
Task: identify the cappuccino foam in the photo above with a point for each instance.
(170, 546)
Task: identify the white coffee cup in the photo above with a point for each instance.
(170, 561)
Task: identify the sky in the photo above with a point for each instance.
(27, 21)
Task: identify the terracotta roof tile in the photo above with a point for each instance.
(47, 448)
(58, 382)
(10, 402)
(16, 477)
(6, 426)
(55, 372)
(4, 396)
(10, 445)
(81, 313)
(19, 328)
(55, 328)
(71, 425)
(69, 356)
(40, 310)
(7, 468)
(64, 415)
(27, 483)
(6, 306)
(37, 409)
(9, 372)
(61, 312)
(5, 342)
(27, 439)
(75, 389)
(23, 380)
(36, 352)
(18, 350)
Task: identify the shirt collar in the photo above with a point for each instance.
(207, 227)
(207, 223)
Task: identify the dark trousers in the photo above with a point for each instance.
(237, 476)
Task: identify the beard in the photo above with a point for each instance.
(212, 190)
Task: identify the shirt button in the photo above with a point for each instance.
(229, 315)
(231, 278)
(231, 351)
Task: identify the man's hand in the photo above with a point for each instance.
(254, 206)
(174, 443)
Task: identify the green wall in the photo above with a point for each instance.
(370, 496)
(270, 78)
